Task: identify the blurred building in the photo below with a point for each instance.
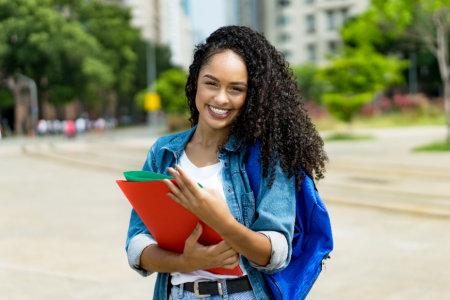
(306, 30)
(164, 22)
(245, 13)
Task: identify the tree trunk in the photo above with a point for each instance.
(443, 60)
(447, 106)
(21, 106)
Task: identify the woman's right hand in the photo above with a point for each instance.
(198, 257)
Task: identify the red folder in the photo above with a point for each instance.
(168, 222)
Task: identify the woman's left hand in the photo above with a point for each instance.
(207, 204)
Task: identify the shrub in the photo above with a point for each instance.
(344, 107)
(311, 88)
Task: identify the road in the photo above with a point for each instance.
(63, 220)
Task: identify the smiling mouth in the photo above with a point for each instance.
(219, 111)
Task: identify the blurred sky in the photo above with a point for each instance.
(206, 16)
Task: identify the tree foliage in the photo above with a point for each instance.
(310, 87)
(418, 24)
(109, 24)
(343, 107)
(170, 86)
(6, 98)
(353, 79)
(75, 49)
(58, 54)
(362, 70)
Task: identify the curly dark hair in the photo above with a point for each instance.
(273, 112)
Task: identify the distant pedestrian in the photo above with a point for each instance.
(80, 125)
(49, 127)
(100, 126)
(57, 126)
(42, 127)
(112, 123)
(69, 129)
(89, 125)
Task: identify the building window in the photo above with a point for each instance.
(287, 55)
(284, 37)
(344, 12)
(311, 49)
(284, 3)
(332, 46)
(283, 20)
(310, 23)
(331, 20)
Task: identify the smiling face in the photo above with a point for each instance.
(221, 90)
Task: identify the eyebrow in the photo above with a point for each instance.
(233, 83)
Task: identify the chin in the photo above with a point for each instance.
(215, 123)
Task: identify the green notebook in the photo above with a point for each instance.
(146, 176)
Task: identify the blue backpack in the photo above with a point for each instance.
(312, 241)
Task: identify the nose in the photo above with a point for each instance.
(221, 98)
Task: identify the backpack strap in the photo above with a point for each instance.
(253, 168)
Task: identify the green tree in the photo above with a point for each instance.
(170, 86)
(423, 22)
(354, 79)
(162, 54)
(58, 54)
(110, 25)
(6, 100)
(343, 107)
(124, 52)
(310, 87)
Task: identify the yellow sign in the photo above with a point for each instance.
(152, 102)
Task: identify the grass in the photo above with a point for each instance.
(394, 119)
(436, 146)
(348, 137)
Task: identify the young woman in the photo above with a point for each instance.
(240, 91)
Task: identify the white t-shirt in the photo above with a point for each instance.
(209, 177)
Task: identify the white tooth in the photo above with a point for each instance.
(218, 111)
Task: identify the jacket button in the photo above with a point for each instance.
(229, 190)
(226, 164)
(251, 272)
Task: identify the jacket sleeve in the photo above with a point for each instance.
(279, 251)
(138, 236)
(275, 212)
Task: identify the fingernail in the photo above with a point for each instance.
(198, 226)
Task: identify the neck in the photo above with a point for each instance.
(207, 136)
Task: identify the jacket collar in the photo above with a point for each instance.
(233, 144)
(178, 144)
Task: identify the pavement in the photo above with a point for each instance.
(63, 220)
(385, 173)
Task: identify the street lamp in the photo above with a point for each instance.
(34, 99)
(152, 99)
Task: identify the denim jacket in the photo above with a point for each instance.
(273, 210)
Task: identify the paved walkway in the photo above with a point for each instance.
(63, 220)
(385, 173)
